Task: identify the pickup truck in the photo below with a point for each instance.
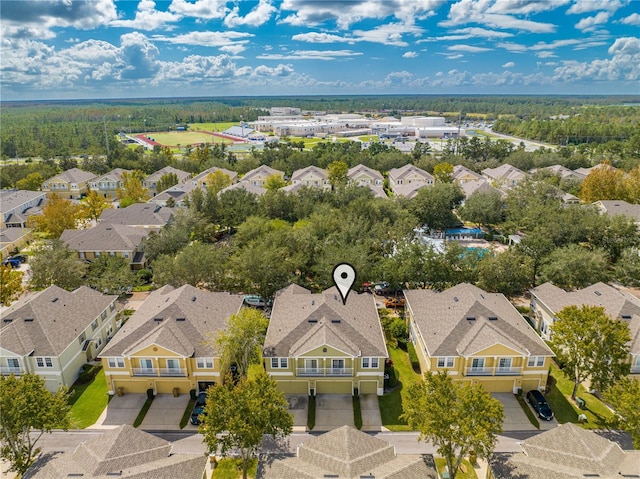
(394, 303)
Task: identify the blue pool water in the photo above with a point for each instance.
(463, 231)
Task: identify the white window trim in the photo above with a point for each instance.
(44, 361)
(447, 361)
(369, 364)
(535, 361)
(115, 362)
(202, 363)
(277, 363)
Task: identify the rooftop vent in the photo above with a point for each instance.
(114, 473)
(598, 293)
(157, 320)
(54, 300)
(108, 228)
(471, 318)
(455, 298)
(626, 316)
(28, 320)
(193, 298)
(493, 318)
(75, 474)
(181, 319)
(335, 320)
(313, 320)
(7, 320)
(313, 301)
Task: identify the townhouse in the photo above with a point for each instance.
(407, 180)
(311, 177)
(168, 344)
(140, 215)
(258, 176)
(71, 184)
(547, 300)
(504, 176)
(361, 175)
(17, 205)
(316, 344)
(476, 337)
(151, 181)
(54, 332)
(108, 184)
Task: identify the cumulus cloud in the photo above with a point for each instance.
(633, 19)
(310, 55)
(409, 55)
(201, 9)
(228, 41)
(259, 15)
(148, 18)
(280, 71)
(513, 47)
(345, 14)
(468, 49)
(586, 6)
(316, 37)
(138, 57)
(25, 20)
(591, 23)
(509, 65)
(388, 34)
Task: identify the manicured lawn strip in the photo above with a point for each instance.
(357, 412)
(559, 397)
(311, 413)
(143, 412)
(527, 410)
(231, 468)
(187, 413)
(470, 473)
(88, 401)
(391, 403)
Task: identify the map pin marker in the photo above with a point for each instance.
(344, 275)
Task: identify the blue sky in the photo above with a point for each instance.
(64, 49)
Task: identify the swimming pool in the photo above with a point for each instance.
(464, 231)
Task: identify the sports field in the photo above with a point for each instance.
(184, 138)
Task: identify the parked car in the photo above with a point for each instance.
(394, 303)
(382, 288)
(256, 301)
(13, 262)
(540, 405)
(196, 413)
(202, 399)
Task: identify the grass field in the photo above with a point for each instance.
(88, 401)
(212, 126)
(175, 138)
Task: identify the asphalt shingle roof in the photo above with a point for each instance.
(300, 321)
(189, 317)
(441, 318)
(47, 322)
(104, 237)
(73, 175)
(122, 452)
(138, 214)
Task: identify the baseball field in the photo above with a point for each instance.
(184, 138)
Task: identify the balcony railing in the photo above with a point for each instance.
(635, 369)
(479, 371)
(145, 372)
(5, 371)
(332, 372)
(508, 371)
(174, 372)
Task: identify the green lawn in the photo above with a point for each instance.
(470, 472)
(231, 468)
(88, 401)
(565, 410)
(391, 403)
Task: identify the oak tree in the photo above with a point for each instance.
(57, 215)
(56, 264)
(10, 284)
(624, 396)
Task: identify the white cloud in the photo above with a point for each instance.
(492, 13)
(208, 39)
(591, 23)
(555, 44)
(202, 9)
(454, 57)
(513, 47)
(546, 54)
(147, 17)
(92, 51)
(509, 65)
(633, 19)
(468, 48)
(279, 71)
(315, 37)
(388, 34)
(345, 14)
(310, 55)
(585, 6)
(259, 15)
(409, 55)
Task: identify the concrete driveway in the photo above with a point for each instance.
(120, 410)
(165, 412)
(299, 409)
(370, 409)
(514, 417)
(333, 411)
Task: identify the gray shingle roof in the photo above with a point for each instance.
(290, 332)
(312, 169)
(362, 169)
(504, 171)
(125, 452)
(55, 324)
(567, 451)
(138, 214)
(262, 171)
(73, 175)
(233, 176)
(10, 199)
(9, 235)
(402, 172)
(182, 175)
(113, 175)
(204, 313)
(619, 207)
(442, 321)
(104, 237)
(248, 187)
(348, 453)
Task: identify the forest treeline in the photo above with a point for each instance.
(60, 129)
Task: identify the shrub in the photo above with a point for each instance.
(145, 276)
(413, 357)
(88, 372)
(391, 378)
(150, 394)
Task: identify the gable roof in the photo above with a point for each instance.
(104, 237)
(348, 453)
(409, 190)
(583, 453)
(138, 214)
(504, 171)
(72, 175)
(47, 322)
(406, 170)
(248, 187)
(114, 175)
(301, 322)
(441, 318)
(122, 452)
(619, 208)
(182, 175)
(9, 235)
(309, 170)
(10, 199)
(364, 170)
(262, 171)
(460, 170)
(178, 319)
(233, 176)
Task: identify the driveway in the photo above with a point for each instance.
(120, 410)
(514, 417)
(165, 412)
(370, 409)
(333, 411)
(299, 409)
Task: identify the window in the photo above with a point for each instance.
(337, 363)
(173, 364)
(82, 337)
(445, 362)
(13, 363)
(116, 362)
(146, 363)
(94, 325)
(535, 361)
(44, 362)
(282, 363)
(370, 362)
(103, 315)
(113, 306)
(504, 363)
(204, 363)
(477, 363)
